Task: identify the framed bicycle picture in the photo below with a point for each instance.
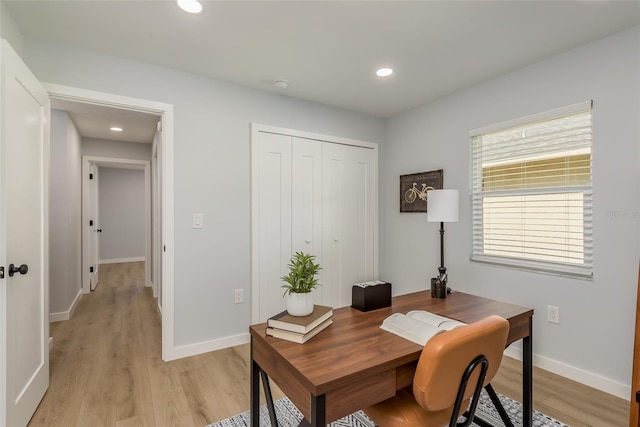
(414, 189)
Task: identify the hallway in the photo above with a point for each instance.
(106, 367)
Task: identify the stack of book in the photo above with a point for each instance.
(300, 329)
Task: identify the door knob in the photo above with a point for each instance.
(23, 269)
(99, 230)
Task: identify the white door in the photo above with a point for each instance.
(306, 203)
(314, 196)
(94, 227)
(271, 191)
(24, 299)
(349, 225)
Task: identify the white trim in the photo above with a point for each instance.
(119, 260)
(165, 111)
(66, 315)
(623, 391)
(213, 345)
(155, 214)
(563, 270)
(256, 127)
(59, 317)
(557, 112)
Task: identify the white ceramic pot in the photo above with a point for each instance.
(299, 304)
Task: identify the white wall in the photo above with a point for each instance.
(64, 216)
(9, 30)
(121, 214)
(595, 337)
(212, 168)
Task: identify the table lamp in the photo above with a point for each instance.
(442, 206)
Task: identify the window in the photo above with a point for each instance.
(531, 192)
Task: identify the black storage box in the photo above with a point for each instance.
(371, 295)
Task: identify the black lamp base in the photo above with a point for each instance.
(439, 287)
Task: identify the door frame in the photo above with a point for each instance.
(92, 237)
(111, 162)
(165, 112)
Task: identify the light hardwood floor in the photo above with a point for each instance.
(106, 370)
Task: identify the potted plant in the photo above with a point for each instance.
(299, 283)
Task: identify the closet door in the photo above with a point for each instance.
(271, 198)
(317, 197)
(349, 210)
(306, 202)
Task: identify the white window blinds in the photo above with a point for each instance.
(531, 192)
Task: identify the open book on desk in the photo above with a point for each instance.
(418, 326)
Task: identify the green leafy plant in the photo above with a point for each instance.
(302, 274)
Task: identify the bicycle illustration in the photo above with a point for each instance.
(411, 194)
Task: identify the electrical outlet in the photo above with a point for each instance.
(239, 296)
(553, 314)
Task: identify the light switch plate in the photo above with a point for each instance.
(198, 220)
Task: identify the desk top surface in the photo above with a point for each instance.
(355, 344)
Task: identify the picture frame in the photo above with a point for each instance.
(414, 188)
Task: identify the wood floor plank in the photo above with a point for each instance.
(106, 370)
(567, 401)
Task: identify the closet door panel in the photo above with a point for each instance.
(349, 208)
(333, 172)
(306, 212)
(357, 219)
(273, 194)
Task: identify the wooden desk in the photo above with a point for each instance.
(354, 364)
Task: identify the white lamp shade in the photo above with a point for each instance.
(442, 205)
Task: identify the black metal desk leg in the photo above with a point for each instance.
(527, 378)
(269, 398)
(496, 402)
(254, 404)
(318, 413)
(255, 395)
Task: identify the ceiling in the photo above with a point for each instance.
(95, 121)
(329, 50)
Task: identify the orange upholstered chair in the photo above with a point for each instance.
(453, 368)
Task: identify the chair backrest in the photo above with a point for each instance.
(446, 356)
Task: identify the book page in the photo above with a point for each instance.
(409, 328)
(436, 320)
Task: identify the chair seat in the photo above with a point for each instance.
(403, 411)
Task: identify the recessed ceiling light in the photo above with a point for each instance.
(281, 83)
(191, 6)
(384, 72)
(115, 129)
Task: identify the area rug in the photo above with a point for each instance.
(289, 416)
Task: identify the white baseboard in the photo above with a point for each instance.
(606, 385)
(119, 260)
(205, 347)
(603, 384)
(66, 315)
